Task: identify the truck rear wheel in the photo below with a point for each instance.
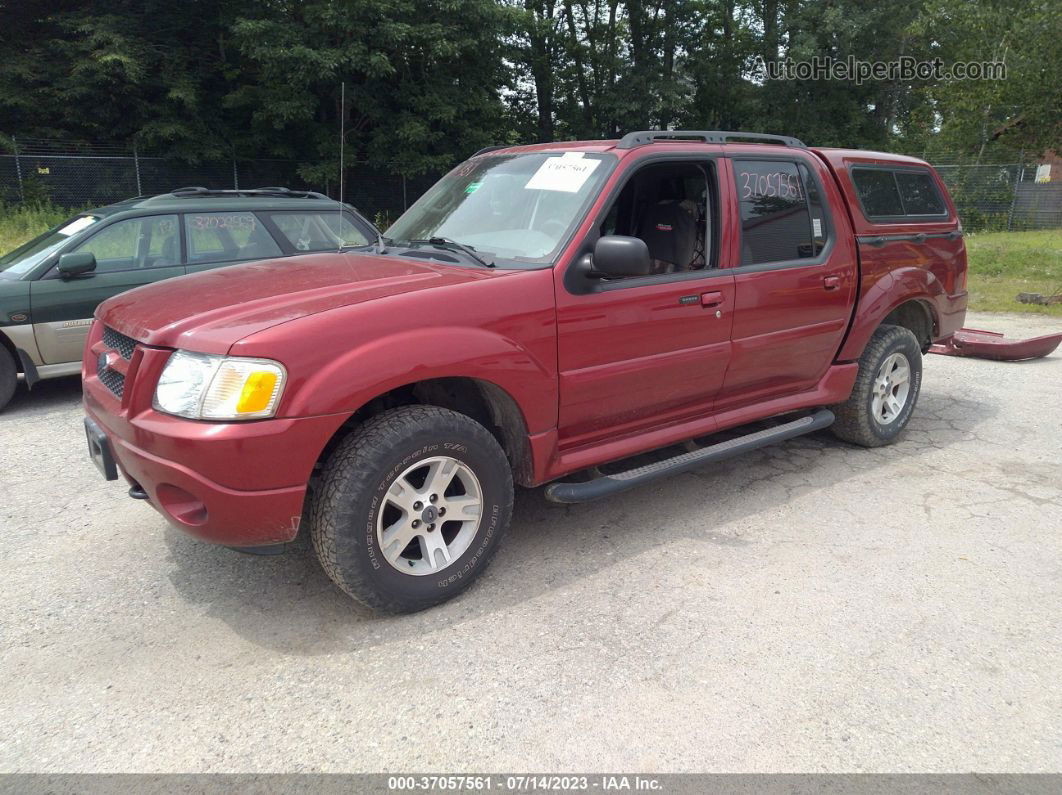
(885, 391)
(8, 376)
(411, 508)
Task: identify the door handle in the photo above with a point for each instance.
(831, 282)
(711, 299)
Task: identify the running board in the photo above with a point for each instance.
(608, 485)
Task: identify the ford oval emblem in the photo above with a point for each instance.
(102, 362)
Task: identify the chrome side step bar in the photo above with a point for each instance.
(608, 485)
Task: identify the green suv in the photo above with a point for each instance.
(50, 286)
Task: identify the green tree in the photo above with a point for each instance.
(429, 82)
(423, 79)
(148, 71)
(1023, 111)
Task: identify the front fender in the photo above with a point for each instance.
(890, 291)
(364, 372)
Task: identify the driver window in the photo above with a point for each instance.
(670, 206)
(149, 242)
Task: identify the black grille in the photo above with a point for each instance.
(119, 342)
(111, 379)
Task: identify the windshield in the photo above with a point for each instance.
(518, 208)
(27, 256)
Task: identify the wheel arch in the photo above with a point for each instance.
(918, 317)
(907, 298)
(483, 401)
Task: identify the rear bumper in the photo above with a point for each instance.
(951, 314)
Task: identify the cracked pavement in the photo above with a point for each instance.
(807, 607)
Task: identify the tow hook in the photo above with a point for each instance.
(137, 492)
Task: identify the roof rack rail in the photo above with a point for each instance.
(494, 148)
(644, 137)
(275, 192)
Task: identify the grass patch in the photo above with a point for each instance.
(1003, 264)
(22, 222)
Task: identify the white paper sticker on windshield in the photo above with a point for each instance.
(816, 227)
(567, 173)
(77, 225)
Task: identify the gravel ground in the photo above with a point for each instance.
(808, 607)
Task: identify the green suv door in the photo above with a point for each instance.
(128, 254)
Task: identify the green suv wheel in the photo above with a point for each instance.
(8, 376)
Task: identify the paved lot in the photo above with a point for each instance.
(810, 607)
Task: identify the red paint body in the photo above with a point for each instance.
(981, 344)
(595, 377)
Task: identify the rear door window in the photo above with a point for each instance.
(782, 212)
(898, 194)
(227, 237)
(316, 231)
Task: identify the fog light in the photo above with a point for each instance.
(184, 507)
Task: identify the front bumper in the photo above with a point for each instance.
(206, 509)
(237, 484)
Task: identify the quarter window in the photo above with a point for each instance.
(149, 242)
(885, 193)
(227, 237)
(782, 213)
(318, 231)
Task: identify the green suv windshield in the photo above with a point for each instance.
(520, 209)
(27, 256)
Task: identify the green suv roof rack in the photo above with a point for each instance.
(271, 192)
(645, 137)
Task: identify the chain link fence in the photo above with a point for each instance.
(40, 170)
(1003, 198)
(997, 197)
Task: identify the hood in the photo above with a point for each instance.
(210, 311)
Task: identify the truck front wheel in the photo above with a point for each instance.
(885, 391)
(411, 507)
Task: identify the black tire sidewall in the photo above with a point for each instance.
(359, 547)
(908, 346)
(8, 377)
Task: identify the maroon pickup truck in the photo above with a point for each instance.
(538, 316)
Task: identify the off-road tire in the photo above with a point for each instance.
(358, 474)
(8, 376)
(855, 421)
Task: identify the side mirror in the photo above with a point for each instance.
(76, 264)
(618, 255)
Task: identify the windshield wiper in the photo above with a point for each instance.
(453, 245)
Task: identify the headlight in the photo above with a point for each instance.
(205, 387)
